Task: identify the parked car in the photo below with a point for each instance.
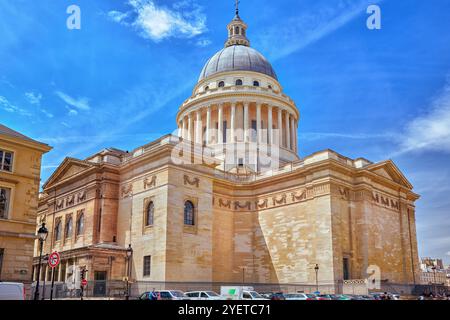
(165, 295)
(267, 295)
(203, 295)
(278, 296)
(240, 293)
(300, 296)
(324, 297)
(12, 291)
(340, 297)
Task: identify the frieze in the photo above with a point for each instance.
(70, 200)
(385, 201)
(193, 182)
(298, 196)
(82, 196)
(282, 200)
(247, 205)
(150, 182)
(127, 190)
(262, 205)
(226, 204)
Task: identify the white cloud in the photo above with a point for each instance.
(33, 97)
(431, 130)
(9, 107)
(184, 20)
(79, 103)
(295, 33)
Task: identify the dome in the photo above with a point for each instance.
(237, 58)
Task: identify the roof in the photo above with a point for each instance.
(4, 130)
(237, 58)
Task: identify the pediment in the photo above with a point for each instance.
(390, 171)
(67, 169)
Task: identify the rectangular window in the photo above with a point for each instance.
(6, 160)
(147, 265)
(5, 198)
(346, 268)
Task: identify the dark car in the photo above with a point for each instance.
(278, 296)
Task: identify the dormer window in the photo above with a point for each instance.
(221, 84)
(239, 82)
(256, 83)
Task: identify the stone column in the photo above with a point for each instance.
(189, 133)
(220, 122)
(295, 136)
(208, 125)
(183, 132)
(246, 133)
(233, 122)
(288, 131)
(198, 126)
(270, 124)
(292, 133)
(258, 123)
(280, 127)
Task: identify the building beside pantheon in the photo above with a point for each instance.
(228, 199)
(20, 171)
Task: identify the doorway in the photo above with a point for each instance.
(100, 283)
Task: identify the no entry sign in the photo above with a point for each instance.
(84, 282)
(54, 260)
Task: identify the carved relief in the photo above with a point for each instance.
(385, 201)
(345, 193)
(262, 205)
(281, 201)
(59, 204)
(226, 204)
(70, 200)
(238, 206)
(298, 197)
(194, 182)
(82, 196)
(150, 182)
(127, 190)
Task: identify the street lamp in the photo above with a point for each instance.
(129, 255)
(42, 236)
(316, 268)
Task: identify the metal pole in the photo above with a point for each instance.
(53, 283)
(36, 291)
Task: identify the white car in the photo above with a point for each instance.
(172, 295)
(204, 295)
(252, 295)
(12, 291)
(298, 296)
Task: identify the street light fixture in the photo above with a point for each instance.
(316, 268)
(129, 255)
(42, 236)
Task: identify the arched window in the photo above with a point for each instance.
(80, 224)
(68, 233)
(58, 231)
(256, 83)
(270, 86)
(221, 84)
(236, 30)
(206, 88)
(189, 213)
(239, 82)
(149, 213)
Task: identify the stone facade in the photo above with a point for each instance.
(19, 183)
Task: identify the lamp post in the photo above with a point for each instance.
(129, 255)
(42, 236)
(316, 268)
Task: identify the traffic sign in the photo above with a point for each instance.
(84, 282)
(54, 259)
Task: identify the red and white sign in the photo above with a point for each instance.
(54, 259)
(84, 282)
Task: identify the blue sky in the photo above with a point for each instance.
(119, 81)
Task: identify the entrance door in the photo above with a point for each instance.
(99, 283)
